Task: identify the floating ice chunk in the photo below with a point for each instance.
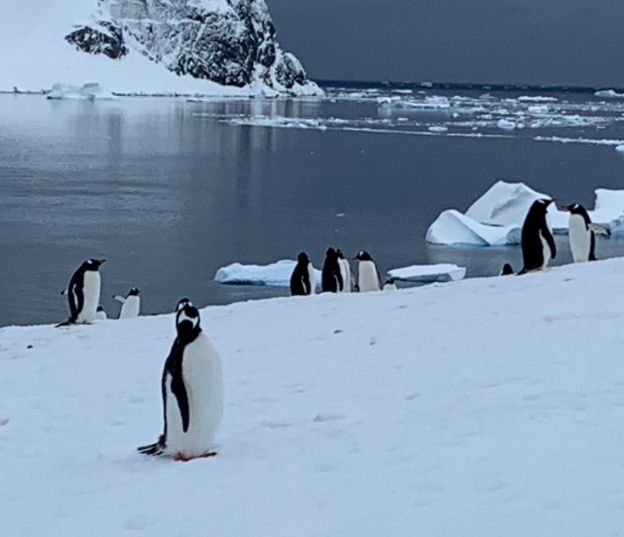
(536, 99)
(609, 208)
(610, 94)
(507, 204)
(437, 128)
(619, 148)
(506, 124)
(428, 273)
(454, 228)
(275, 274)
(88, 92)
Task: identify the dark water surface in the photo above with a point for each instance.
(168, 191)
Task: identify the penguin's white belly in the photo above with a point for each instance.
(203, 378)
(345, 271)
(545, 250)
(130, 308)
(368, 279)
(91, 294)
(580, 238)
(312, 278)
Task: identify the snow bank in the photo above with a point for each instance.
(428, 273)
(275, 274)
(87, 92)
(496, 218)
(351, 414)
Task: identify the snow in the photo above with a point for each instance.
(275, 274)
(496, 218)
(490, 405)
(443, 272)
(87, 92)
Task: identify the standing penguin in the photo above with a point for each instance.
(83, 293)
(100, 314)
(302, 281)
(192, 392)
(582, 233)
(368, 274)
(332, 276)
(538, 244)
(130, 304)
(390, 285)
(345, 272)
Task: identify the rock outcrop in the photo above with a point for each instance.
(231, 42)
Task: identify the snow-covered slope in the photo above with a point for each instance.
(223, 47)
(482, 407)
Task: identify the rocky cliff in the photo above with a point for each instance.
(230, 42)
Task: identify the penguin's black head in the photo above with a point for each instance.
(134, 292)
(93, 264)
(544, 202)
(100, 308)
(574, 208)
(181, 303)
(330, 252)
(363, 256)
(340, 254)
(507, 270)
(390, 280)
(187, 321)
(303, 258)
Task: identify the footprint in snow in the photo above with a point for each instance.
(277, 424)
(140, 522)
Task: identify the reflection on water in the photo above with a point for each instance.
(169, 193)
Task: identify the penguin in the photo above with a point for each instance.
(507, 270)
(581, 233)
(192, 392)
(345, 272)
(368, 275)
(130, 304)
(100, 314)
(390, 285)
(332, 276)
(83, 292)
(538, 244)
(302, 280)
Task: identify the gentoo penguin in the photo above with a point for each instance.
(83, 292)
(390, 285)
(100, 314)
(368, 275)
(130, 304)
(345, 271)
(192, 392)
(302, 280)
(538, 244)
(332, 276)
(581, 233)
(507, 270)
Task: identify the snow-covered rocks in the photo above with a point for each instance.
(198, 47)
(444, 272)
(275, 274)
(87, 92)
(496, 218)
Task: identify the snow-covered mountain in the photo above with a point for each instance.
(148, 46)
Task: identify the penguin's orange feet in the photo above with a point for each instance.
(183, 458)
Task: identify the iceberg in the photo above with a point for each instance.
(87, 92)
(609, 94)
(496, 218)
(428, 273)
(453, 228)
(274, 275)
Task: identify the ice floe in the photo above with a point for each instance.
(609, 94)
(87, 92)
(445, 272)
(275, 274)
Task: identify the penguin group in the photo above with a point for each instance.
(83, 295)
(336, 276)
(537, 241)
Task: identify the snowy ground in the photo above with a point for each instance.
(491, 407)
